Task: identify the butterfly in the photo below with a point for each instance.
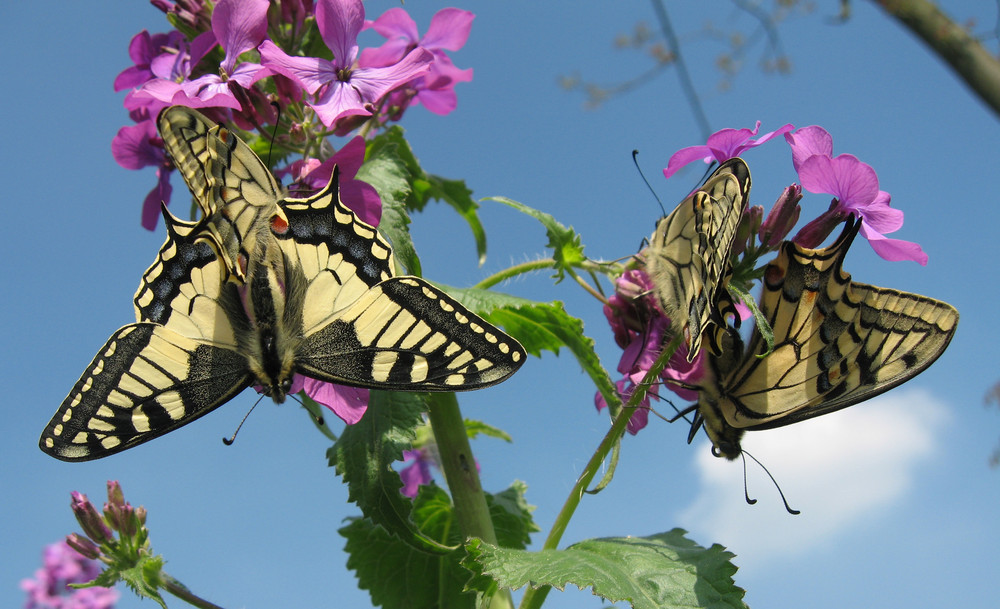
(319, 299)
(688, 254)
(836, 343)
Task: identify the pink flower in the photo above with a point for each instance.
(641, 329)
(138, 146)
(856, 188)
(721, 146)
(418, 472)
(449, 30)
(341, 88)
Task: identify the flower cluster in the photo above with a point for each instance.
(238, 59)
(639, 325)
(62, 566)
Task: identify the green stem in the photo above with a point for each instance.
(459, 466)
(179, 590)
(533, 597)
(517, 269)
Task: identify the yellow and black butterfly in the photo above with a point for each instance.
(688, 254)
(836, 343)
(318, 299)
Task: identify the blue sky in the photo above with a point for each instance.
(899, 505)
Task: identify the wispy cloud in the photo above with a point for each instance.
(835, 468)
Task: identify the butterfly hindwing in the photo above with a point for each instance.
(836, 343)
(688, 254)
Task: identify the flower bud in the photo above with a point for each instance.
(83, 546)
(815, 232)
(93, 525)
(782, 217)
(115, 494)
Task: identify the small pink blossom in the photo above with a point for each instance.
(722, 145)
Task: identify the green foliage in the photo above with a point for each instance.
(664, 570)
(566, 244)
(364, 455)
(398, 575)
(424, 187)
(386, 172)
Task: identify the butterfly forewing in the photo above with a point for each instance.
(688, 255)
(234, 189)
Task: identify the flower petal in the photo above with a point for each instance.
(449, 29)
(339, 22)
(348, 403)
(809, 141)
(893, 249)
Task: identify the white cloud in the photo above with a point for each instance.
(835, 468)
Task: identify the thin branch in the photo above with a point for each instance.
(682, 72)
(970, 60)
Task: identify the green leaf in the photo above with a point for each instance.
(473, 428)
(511, 516)
(364, 455)
(566, 244)
(540, 325)
(664, 570)
(398, 575)
(144, 578)
(388, 174)
(426, 187)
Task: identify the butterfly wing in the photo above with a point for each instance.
(179, 362)
(236, 192)
(689, 252)
(836, 343)
(364, 327)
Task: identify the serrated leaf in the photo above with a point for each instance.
(566, 244)
(474, 428)
(364, 454)
(539, 325)
(398, 575)
(426, 187)
(144, 578)
(388, 174)
(664, 570)
(511, 516)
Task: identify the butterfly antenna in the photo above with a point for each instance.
(635, 159)
(316, 417)
(788, 508)
(274, 132)
(229, 441)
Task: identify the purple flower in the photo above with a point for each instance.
(449, 30)
(138, 146)
(171, 70)
(348, 403)
(62, 565)
(239, 26)
(721, 146)
(856, 190)
(342, 89)
(641, 329)
(416, 473)
(142, 50)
